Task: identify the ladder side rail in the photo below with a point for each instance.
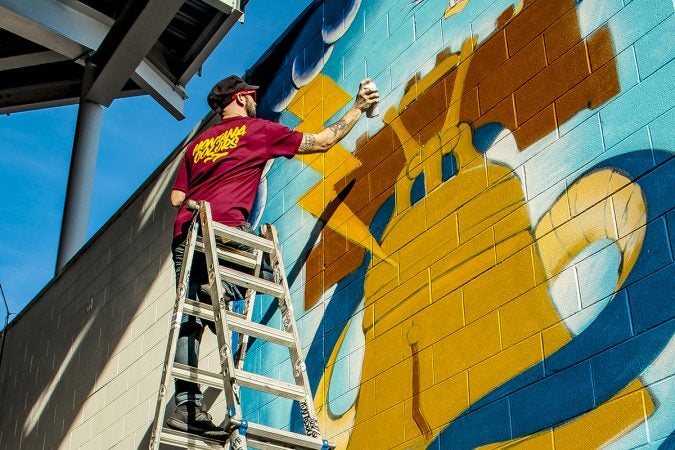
(249, 306)
(176, 318)
(230, 386)
(309, 417)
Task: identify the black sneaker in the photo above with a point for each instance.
(205, 293)
(192, 419)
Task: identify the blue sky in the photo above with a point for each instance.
(137, 135)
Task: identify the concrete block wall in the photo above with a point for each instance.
(487, 263)
(82, 362)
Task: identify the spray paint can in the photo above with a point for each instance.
(374, 110)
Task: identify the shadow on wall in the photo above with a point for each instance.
(82, 362)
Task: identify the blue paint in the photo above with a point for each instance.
(449, 166)
(670, 223)
(653, 249)
(348, 295)
(638, 106)
(290, 120)
(615, 326)
(417, 191)
(662, 286)
(616, 367)
(467, 430)
(574, 384)
(662, 134)
(656, 48)
(531, 376)
(669, 443)
(485, 136)
(548, 402)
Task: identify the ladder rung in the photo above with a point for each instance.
(187, 440)
(235, 234)
(257, 330)
(198, 309)
(239, 257)
(243, 378)
(187, 373)
(258, 436)
(270, 385)
(239, 324)
(252, 282)
(263, 433)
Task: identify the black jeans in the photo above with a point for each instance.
(191, 327)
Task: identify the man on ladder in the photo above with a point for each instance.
(223, 166)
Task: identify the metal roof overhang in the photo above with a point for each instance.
(131, 47)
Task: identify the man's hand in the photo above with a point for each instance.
(331, 135)
(367, 96)
(177, 198)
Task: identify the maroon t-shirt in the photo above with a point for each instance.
(224, 164)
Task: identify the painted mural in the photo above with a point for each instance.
(489, 263)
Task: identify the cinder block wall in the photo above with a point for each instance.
(82, 362)
(488, 262)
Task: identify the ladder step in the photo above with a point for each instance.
(235, 234)
(187, 440)
(270, 385)
(239, 257)
(252, 282)
(187, 373)
(264, 434)
(243, 378)
(239, 324)
(258, 436)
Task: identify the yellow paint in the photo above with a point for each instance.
(468, 282)
(482, 378)
(597, 428)
(473, 343)
(334, 165)
(480, 295)
(609, 421)
(455, 7)
(333, 426)
(465, 263)
(388, 391)
(399, 308)
(434, 324)
(538, 441)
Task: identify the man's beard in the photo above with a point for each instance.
(250, 107)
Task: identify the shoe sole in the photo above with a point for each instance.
(184, 427)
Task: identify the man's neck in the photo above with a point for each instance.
(231, 115)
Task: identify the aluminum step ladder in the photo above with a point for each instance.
(243, 434)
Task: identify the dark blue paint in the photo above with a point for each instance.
(534, 374)
(485, 136)
(417, 191)
(669, 443)
(616, 366)
(449, 166)
(662, 285)
(653, 249)
(670, 224)
(574, 384)
(464, 432)
(615, 327)
(649, 302)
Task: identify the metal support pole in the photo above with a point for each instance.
(4, 330)
(80, 179)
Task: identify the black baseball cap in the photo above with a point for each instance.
(221, 94)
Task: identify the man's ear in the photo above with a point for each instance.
(240, 99)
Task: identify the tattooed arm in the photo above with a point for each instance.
(331, 135)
